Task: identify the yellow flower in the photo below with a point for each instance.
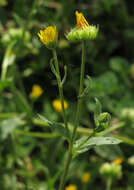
(80, 20)
(82, 31)
(71, 187)
(118, 161)
(36, 91)
(57, 105)
(48, 36)
(86, 177)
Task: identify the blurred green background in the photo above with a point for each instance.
(31, 156)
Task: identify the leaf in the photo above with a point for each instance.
(59, 128)
(82, 145)
(97, 141)
(3, 85)
(98, 107)
(44, 119)
(89, 84)
(106, 84)
(119, 64)
(56, 127)
(97, 111)
(110, 152)
(7, 126)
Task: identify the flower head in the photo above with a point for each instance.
(71, 187)
(48, 36)
(57, 105)
(111, 170)
(118, 161)
(82, 31)
(86, 177)
(36, 91)
(80, 20)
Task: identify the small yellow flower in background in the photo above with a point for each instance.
(36, 91)
(118, 161)
(57, 105)
(71, 187)
(48, 36)
(86, 177)
(80, 20)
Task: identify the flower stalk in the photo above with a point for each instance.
(60, 86)
(109, 183)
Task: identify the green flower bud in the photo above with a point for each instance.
(15, 34)
(104, 117)
(131, 160)
(128, 113)
(102, 121)
(85, 33)
(113, 171)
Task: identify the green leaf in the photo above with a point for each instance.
(110, 152)
(3, 85)
(97, 111)
(56, 127)
(79, 148)
(97, 141)
(119, 64)
(59, 128)
(98, 107)
(89, 85)
(106, 84)
(7, 126)
(82, 145)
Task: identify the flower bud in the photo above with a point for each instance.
(128, 113)
(111, 170)
(103, 121)
(131, 160)
(86, 33)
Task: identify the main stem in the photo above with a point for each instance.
(69, 156)
(60, 87)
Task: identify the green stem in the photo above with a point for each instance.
(109, 183)
(69, 156)
(60, 87)
(80, 92)
(65, 171)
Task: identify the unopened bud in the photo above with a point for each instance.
(85, 33)
(111, 170)
(103, 121)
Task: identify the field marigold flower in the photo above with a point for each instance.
(48, 36)
(71, 187)
(57, 105)
(86, 177)
(118, 161)
(36, 91)
(82, 31)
